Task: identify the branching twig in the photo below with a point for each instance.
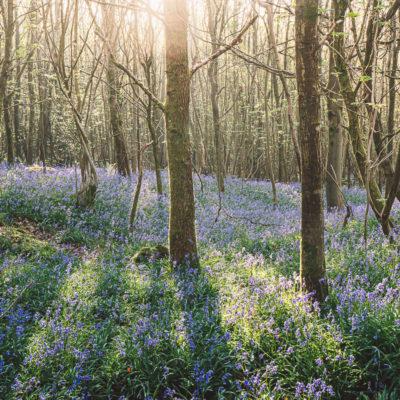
(225, 47)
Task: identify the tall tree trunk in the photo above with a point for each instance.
(268, 157)
(114, 103)
(352, 109)
(31, 119)
(8, 128)
(17, 93)
(374, 28)
(43, 117)
(5, 71)
(88, 189)
(28, 143)
(182, 235)
(334, 168)
(392, 98)
(214, 14)
(147, 64)
(312, 267)
(290, 113)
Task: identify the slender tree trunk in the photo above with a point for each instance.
(312, 267)
(43, 115)
(212, 72)
(17, 93)
(182, 235)
(7, 104)
(335, 145)
(352, 109)
(136, 194)
(392, 99)
(5, 71)
(150, 124)
(290, 113)
(374, 27)
(88, 189)
(268, 157)
(114, 103)
(31, 119)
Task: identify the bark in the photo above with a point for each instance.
(44, 118)
(87, 192)
(374, 28)
(31, 119)
(136, 195)
(334, 198)
(352, 109)
(312, 264)
(8, 130)
(268, 144)
(28, 145)
(290, 113)
(392, 99)
(5, 71)
(213, 79)
(114, 102)
(17, 95)
(182, 236)
(88, 188)
(150, 124)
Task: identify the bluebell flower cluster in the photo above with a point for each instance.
(79, 319)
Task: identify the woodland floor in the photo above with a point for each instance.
(80, 320)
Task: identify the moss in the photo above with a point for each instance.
(18, 242)
(152, 253)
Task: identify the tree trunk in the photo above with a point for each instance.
(114, 103)
(182, 235)
(150, 124)
(8, 128)
(352, 109)
(268, 157)
(334, 170)
(87, 191)
(312, 264)
(212, 72)
(5, 99)
(17, 93)
(290, 113)
(31, 119)
(392, 99)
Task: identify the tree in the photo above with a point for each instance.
(5, 72)
(182, 235)
(68, 82)
(334, 198)
(216, 19)
(113, 86)
(351, 104)
(312, 263)
(147, 62)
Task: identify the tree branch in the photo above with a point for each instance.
(225, 47)
(136, 80)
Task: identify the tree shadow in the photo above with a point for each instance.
(30, 285)
(212, 358)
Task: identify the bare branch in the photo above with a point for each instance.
(225, 47)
